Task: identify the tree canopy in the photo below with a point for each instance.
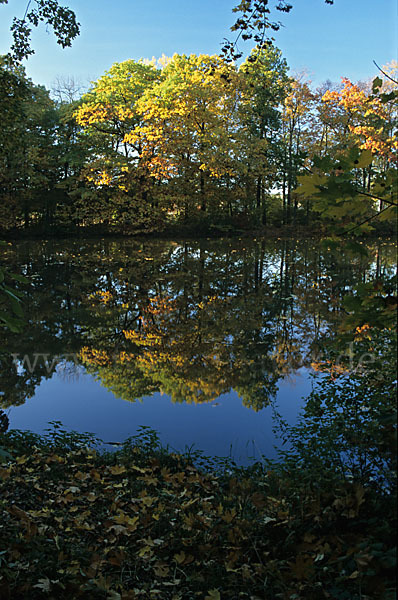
(196, 141)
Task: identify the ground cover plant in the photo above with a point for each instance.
(146, 522)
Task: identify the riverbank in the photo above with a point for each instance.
(171, 233)
(194, 230)
(142, 522)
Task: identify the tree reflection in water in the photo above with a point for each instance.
(192, 319)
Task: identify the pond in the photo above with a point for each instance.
(201, 340)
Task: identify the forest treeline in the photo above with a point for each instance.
(195, 141)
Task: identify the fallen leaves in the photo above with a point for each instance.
(117, 470)
(132, 525)
(213, 595)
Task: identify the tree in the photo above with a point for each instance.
(366, 117)
(66, 90)
(14, 91)
(109, 115)
(66, 28)
(31, 161)
(355, 182)
(188, 128)
(295, 118)
(266, 85)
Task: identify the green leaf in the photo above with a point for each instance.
(376, 84)
(12, 323)
(4, 455)
(352, 303)
(357, 248)
(309, 184)
(11, 293)
(19, 278)
(388, 214)
(364, 159)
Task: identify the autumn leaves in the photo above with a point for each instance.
(145, 523)
(187, 125)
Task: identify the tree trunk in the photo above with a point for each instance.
(258, 191)
(263, 207)
(203, 206)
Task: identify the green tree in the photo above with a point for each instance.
(66, 28)
(296, 118)
(266, 85)
(29, 160)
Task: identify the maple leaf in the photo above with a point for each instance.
(161, 569)
(213, 595)
(180, 557)
(44, 584)
(117, 470)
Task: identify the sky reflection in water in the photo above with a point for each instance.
(221, 428)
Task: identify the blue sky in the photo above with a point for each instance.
(327, 41)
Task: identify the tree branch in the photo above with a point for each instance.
(366, 221)
(26, 11)
(384, 73)
(377, 198)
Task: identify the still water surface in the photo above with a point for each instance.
(200, 340)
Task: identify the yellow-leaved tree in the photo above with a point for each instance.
(117, 169)
(188, 126)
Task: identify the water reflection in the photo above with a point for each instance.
(192, 320)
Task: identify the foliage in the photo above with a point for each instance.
(11, 313)
(373, 304)
(253, 24)
(356, 183)
(60, 18)
(195, 141)
(348, 425)
(146, 522)
(36, 158)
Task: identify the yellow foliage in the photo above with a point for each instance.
(93, 356)
(361, 110)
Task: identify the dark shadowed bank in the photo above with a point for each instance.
(144, 522)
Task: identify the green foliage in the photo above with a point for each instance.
(335, 190)
(347, 429)
(373, 303)
(189, 525)
(35, 151)
(60, 18)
